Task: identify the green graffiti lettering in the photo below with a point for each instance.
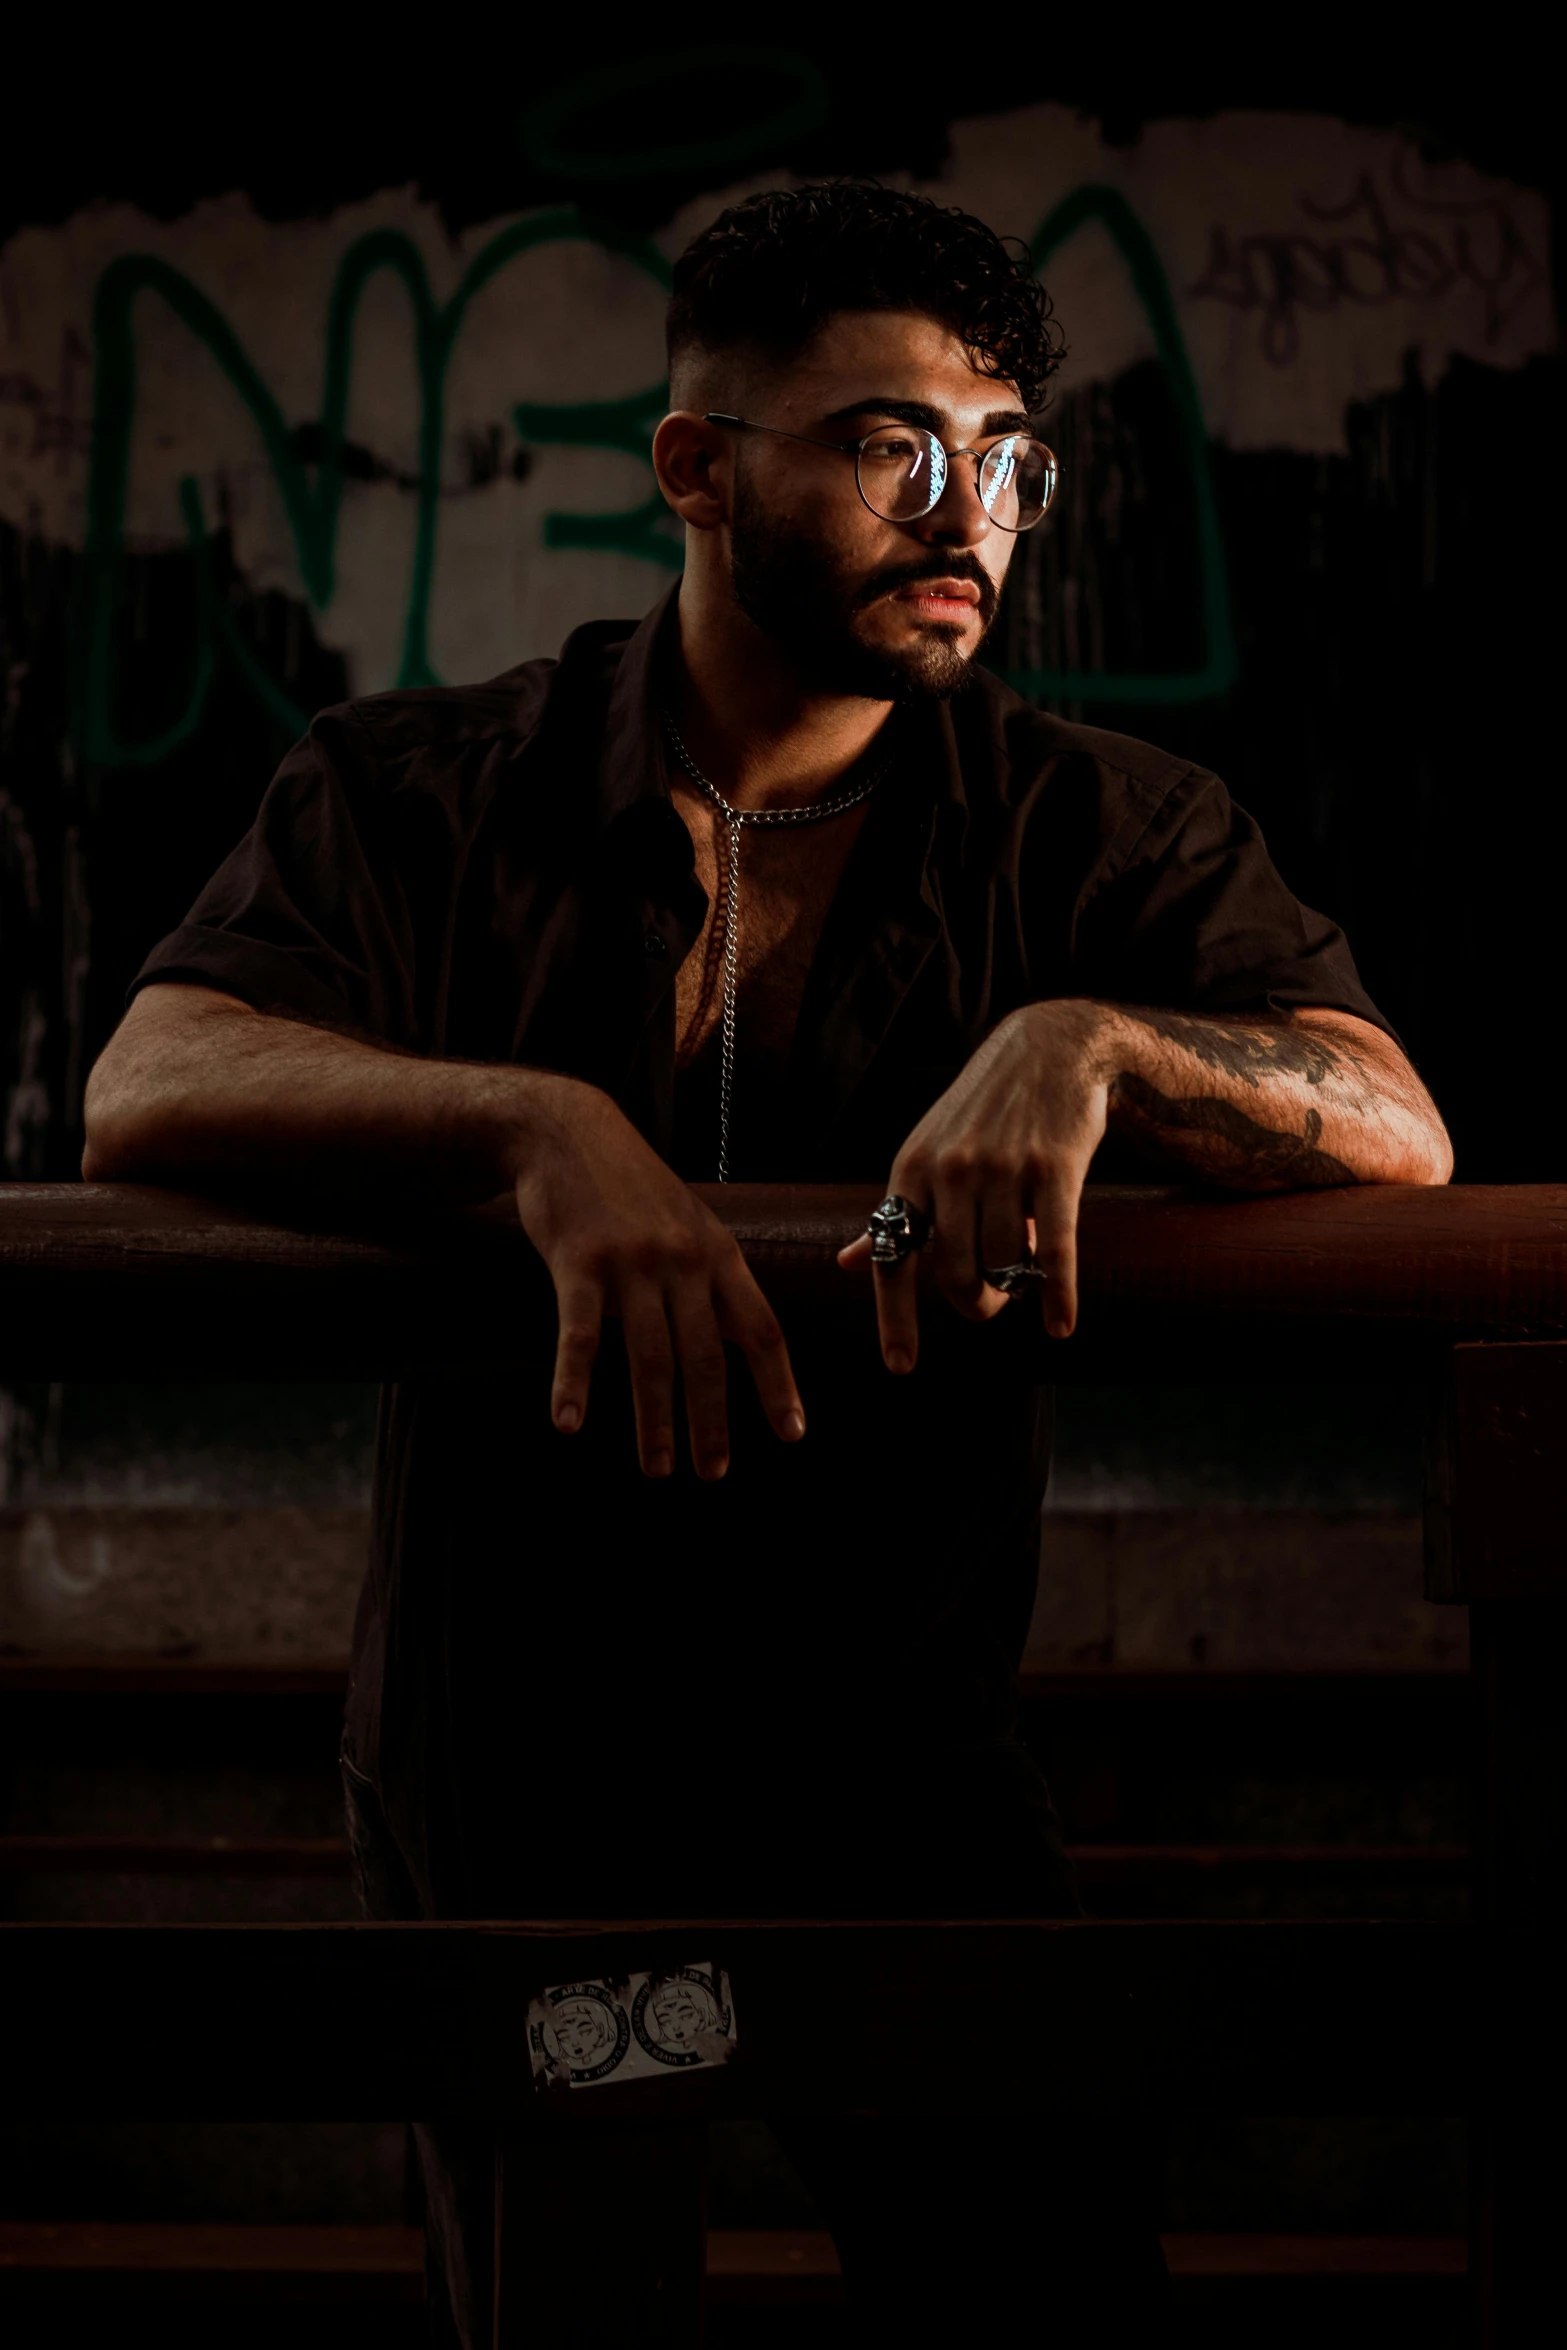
(1221, 662)
(311, 506)
(607, 424)
(312, 490)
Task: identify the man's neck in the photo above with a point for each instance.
(754, 726)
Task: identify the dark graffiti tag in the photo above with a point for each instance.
(1353, 253)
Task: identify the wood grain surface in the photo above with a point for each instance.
(116, 1279)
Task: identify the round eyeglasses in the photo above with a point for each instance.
(901, 471)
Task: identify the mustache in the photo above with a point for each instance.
(954, 566)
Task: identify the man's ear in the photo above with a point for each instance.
(693, 463)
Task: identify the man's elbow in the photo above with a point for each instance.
(142, 1115)
(137, 1116)
(110, 1155)
(1415, 1146)
(122, 1138)
(1425, 1155)
(1430, 1146)
(1438, 1157)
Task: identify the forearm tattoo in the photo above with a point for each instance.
(1255, 1051)
(1211, 1134)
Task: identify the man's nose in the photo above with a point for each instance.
(958, 518)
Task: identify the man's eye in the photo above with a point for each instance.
(899, 452)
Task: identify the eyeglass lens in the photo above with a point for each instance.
(903, 473)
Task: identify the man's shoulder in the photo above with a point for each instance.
(420, 730)
(413, 718)
(1032, 750)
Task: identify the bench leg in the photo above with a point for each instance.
(600, 2236)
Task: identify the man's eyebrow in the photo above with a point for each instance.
(905, 412)
(1000, 420)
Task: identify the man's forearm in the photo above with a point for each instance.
(1270, 1104)
(196, 1087)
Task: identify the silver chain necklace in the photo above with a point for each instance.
(839, 804)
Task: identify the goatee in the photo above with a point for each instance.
(790, 587)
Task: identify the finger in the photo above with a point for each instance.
(576, 1349)
(857, 1254)
(897, 1313)
(703, 1370)
(1003, 1233)
(896, 1287)
(651, 1357)
(1055, 1246)
(746, 1318)
(955, 1250)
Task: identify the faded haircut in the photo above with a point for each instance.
(768, 274)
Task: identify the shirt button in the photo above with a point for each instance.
(653, 944)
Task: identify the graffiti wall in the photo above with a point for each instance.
(248, 465)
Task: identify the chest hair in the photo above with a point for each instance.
(788, 876)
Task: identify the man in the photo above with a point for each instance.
(776, 884)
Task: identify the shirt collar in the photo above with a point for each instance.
(631, 766)
(631, 759)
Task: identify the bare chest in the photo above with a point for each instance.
(787, 880)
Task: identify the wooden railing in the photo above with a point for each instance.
(95, 1277)
(1464, 1290)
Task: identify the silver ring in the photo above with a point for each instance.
(1009, 1279)
(896, 1229)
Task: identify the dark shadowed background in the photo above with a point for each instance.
(1382, 694)
(1308, 534)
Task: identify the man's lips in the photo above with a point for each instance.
(946, 597)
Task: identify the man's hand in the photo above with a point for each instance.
(623, 1236)
(998, 1164)
(1276, 1102)
(196, 1088)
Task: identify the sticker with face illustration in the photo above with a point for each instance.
(580, 2031)
(631, 2027)
(680, 2019)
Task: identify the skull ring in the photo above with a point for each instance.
(897, 1228)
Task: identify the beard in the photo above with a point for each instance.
(790, 585)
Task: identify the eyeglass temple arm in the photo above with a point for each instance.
(744, 424)
(852, 448)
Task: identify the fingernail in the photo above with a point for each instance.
(899, 1359)
(718, 1468)
(568, 1417)
(794, 1426)
(659, 1464)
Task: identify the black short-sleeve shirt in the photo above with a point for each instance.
(496, 873)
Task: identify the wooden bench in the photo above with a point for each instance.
(1463, 1290)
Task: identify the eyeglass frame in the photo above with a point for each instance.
(857, 449)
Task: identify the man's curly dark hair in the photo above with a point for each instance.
(770, 272)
